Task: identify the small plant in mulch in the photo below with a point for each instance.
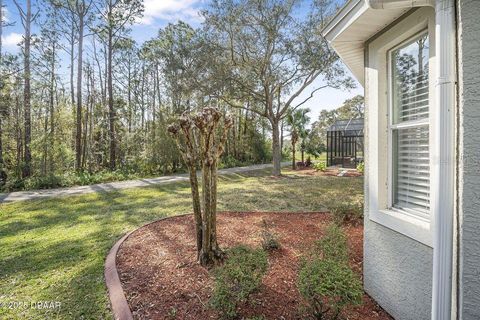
(269, 238)
(326, 281)
(320, 166)
(332, 246)
(172, 313)
(239, 277)
(344, 213)
(361, 167)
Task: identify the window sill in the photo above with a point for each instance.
(413, 227)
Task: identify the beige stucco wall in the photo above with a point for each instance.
(468, 18)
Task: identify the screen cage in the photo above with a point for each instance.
(345, 143)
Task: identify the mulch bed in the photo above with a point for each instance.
(329, 172)
(161, 279)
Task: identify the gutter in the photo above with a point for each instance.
(399, 4)
(444, 190)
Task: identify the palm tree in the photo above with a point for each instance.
(303, 145)
(298, 120)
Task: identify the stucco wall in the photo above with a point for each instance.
(469, 155)
(397, 269)
(397, 272)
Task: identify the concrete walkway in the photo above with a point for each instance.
(112, 186)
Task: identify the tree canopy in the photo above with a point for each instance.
(82, 97)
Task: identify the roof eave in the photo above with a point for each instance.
(341, 19)
(352, 26)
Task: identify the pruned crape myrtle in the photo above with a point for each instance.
(201, 138)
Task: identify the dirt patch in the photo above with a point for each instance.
(161, 279)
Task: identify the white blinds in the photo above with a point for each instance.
(410, 126)
(412, 168)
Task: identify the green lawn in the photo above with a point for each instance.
(54, 250)
(298, 156)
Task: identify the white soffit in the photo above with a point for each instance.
(354, 24)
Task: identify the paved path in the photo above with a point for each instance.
(112, 186)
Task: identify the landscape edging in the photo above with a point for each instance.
(116, 295)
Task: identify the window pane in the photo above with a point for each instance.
(411, 163)
(410, 80)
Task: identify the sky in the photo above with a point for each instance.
(158, 13)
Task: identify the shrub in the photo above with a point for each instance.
(328, 286)
(320, 166)
(237, 279)
(347, 212)
(308, 162)
(333, 245)
(230, 161)
(67, 180)
(269, 239)
(325, 279)
(361, 167)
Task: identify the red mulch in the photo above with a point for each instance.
(161, 279)
(330, 172)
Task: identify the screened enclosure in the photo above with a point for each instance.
(345, 143)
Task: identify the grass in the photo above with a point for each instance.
(54, 249)
(298, 157)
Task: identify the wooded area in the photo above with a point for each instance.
(253, 58)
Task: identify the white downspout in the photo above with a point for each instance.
(445, 50)
(444, 166)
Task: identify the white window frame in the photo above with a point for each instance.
(379, 183)
(404, 125)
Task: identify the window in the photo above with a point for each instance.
(402, 139)
(409, 127)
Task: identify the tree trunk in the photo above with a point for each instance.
(85, 123)
(45, 144)
(206, 254)
(3, 173)
(78, 136)
(197, 209)
(276, 152)
(129, 95)
(281, 136)
(154, 111)
(18, 137)
(111, 111)
(159, 96)
(72, 63)
(27, 167)
(1, 144)
(52, 112)
(294, 165)
(142, 97)
(213, 210)
(1, 116)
